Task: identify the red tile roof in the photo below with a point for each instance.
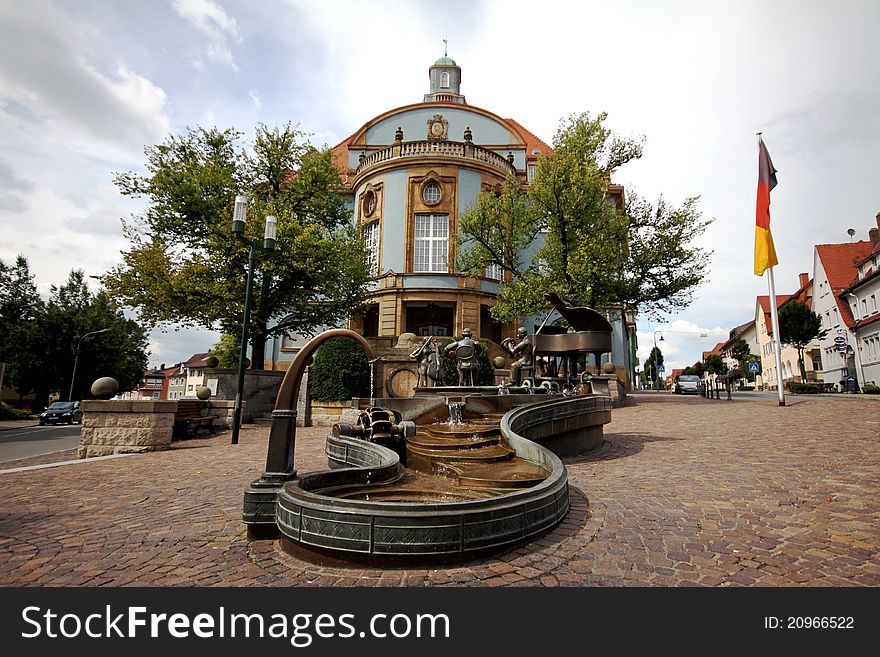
(764, 301)
(533, 143)
(197, 360)
(839, 262)
(865, 321)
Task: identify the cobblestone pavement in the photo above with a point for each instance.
(684, 491)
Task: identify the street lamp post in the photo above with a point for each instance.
(76, 359)
(656, 372)
(239, 218)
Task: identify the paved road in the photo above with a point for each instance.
(26, 442)
(684, 491)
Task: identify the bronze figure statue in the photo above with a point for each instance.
(429, 366)
(466, 351)
(524, 349)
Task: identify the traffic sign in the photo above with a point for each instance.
(839, 340)
(660, 368)
(754, 367)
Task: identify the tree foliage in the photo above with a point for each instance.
(42, 339)
(593, 252)
(340, 371)
(185, 266)
(798, 326)
(227, 350)
(497, 229)
(715, 364)
(697, 368)
(652, 366)
(742, 353)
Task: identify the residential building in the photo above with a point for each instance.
(862, 298)
(194, 369)
(834, 271)
(764, 334)
(811, 352)
(744, 332)
(174, 385)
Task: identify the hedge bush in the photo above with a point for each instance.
(869, 389)
(340, 371)
(12, 413)
(802, 388)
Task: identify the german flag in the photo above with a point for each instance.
(765, 253)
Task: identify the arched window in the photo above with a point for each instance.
(444, 80)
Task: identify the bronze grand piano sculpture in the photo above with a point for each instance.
(588, 332)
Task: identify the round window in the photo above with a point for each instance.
(369, 203)
(431, 193)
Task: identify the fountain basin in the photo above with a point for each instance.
(335, 514)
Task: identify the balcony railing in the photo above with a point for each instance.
(450, 149)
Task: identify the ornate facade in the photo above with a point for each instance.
(410, 172)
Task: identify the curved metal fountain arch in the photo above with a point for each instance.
(259, 499)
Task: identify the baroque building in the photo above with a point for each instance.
(410, 172)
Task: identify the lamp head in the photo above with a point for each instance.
(269, 235)
(239, 216)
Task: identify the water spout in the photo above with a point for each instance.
(456, 413)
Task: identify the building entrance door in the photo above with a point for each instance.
(429, 318)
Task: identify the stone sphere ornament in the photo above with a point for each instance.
(212, 361)
(105, 388)
(203, 392)
(609, 368)
(498, 362)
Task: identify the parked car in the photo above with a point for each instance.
(686, 384)
(59, 411)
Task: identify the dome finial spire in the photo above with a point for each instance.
(445, 47)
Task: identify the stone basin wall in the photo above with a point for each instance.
(125, 427)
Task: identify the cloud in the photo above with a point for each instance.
(211, 19)
(45, 71)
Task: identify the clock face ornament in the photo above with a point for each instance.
(437, 127)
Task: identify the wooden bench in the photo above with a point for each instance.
(188, 421)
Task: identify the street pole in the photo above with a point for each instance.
(76, 360)
(239, 217)
(656, 371)
(242, 352)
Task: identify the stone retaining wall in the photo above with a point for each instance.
(125, 427)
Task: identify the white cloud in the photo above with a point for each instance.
(211, 19)
(83, 88)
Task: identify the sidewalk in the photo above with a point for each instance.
(684, 491)
(18, 424)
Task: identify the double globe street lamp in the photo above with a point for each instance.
(239, 218)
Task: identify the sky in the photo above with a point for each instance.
(86, 85)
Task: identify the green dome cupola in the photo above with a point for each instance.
(445, 76)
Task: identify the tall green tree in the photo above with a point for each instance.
(19, 306)
(48, 338)
(184, 265)
(715, 364)
(652, 366)
(742, 353)
(497, 229)
(798, 326)
(594, 253)
(227, 350)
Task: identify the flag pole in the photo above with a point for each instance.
(774, 316)
(777, 350)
